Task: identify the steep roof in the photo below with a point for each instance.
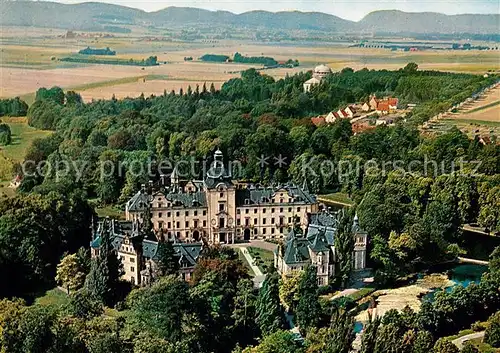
(138, 202)
(319, 120)
(262, 195)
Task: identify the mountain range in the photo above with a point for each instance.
(98, 16)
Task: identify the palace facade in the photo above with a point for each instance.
(218, 210)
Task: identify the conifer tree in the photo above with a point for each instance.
(344, 247)
(105, 270)
(269, 312)
(308, 309)
(168, 262)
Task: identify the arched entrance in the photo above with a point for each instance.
(196, 235)
(246, 234)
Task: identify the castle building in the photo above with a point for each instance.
(315, 245)
(319, 73)
(218, 210)
(137, 249)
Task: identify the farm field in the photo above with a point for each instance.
(30, 59)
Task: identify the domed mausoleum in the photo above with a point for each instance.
(319, 73)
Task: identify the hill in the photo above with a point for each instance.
(428, 22)
(99, 16)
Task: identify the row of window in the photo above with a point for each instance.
(222, 208)
(264, 221)
(178, 214)
(196, 224)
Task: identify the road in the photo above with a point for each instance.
(459, 342)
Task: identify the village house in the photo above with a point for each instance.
(383, 106)
(314, 244)
(218, 210)
(319, 73)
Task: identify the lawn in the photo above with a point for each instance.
(22, 137)
(245, 262)
(337, 198)
(53, 298)
(262, 258)
(110, 211)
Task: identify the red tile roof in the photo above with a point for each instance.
(318, 121)
(383, 106)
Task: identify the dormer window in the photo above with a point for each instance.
(221, 194)
(247, 201)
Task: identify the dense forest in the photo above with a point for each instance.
(151, 61)
(92, 51)
(13, 107)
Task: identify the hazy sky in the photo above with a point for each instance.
(348, 9)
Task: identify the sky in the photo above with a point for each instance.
(349, 9)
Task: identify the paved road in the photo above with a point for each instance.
(459, 342)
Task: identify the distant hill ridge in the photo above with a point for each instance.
(95, 16)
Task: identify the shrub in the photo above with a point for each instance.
(492, 334)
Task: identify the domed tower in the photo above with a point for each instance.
(321, 71)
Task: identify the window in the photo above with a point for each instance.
(160, 225)
(247, 221)
(281, 200)
(122, 258)
(177, 214)
(272, 210)
(263, 221)
(246, 211)
(160, 205)
(169, 225)
(238, 211)
(281, 209)
(132, 259)
(255, 211)
(289, 219)
(238, 222)
(264, 231)
(178, 224)
(204, 223)
(298, 209)
(132, 269)
(221, 223)
(196, 223)
(187, 213)
(168, 214)
(221, 194)
(289, 209)
(187, 224)
(272, 220)
(221, 207)
(195, 213)
(272, 230)
(255, 221)
(204, 212)
(263, 210)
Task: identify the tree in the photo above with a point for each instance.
(370, 335)
(444, 345)
(245, 328)
(168, 261)
(410, 68)
(106, 269)
(469, 348)
(289, 290)
(277, 342)
(344, 249)
(35, 328)
(492, 334)
(5, 135)
(83, 305)
(308, 309)
(269, 312)
(340, 334)
(424, 342)
(162, 307)
(70, 273)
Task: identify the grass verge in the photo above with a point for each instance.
(264, 259)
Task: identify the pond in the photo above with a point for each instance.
(462, 275)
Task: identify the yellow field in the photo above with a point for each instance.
(30, 59)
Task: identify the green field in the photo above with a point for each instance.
(22, 137)
(53, 298)
(262, 258)
(245, 262)
(337, 198)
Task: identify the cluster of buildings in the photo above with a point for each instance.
(214, 210)
(315, 244)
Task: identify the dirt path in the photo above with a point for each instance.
(459, 342)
